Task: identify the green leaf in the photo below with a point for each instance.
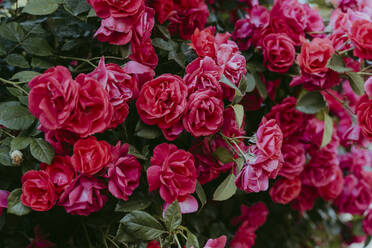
(125, 51)
(40, 7)
(328, 129)
(17, 60)
(251, 83)
(223, 155)
(25, 76)
(142, 225)
(311, 103)
(16, 117)
(261, 87)
(37, 46)
(173, 216)
(192, 240)
(226, 81)
(162, 44)
(132, 204)
(133, 151)
(226, 189)
(20, 143)
(4, 156)
(12, 31)
(164, 30)
(336, 63)
(123, 236)
(356, 82)
(201, 194)
(239, 164)
(15, 91)
(92, 13)
(76, 7)
(15, 205)
(147, 132)
(239, 114)
(178, 57)
(42, 150)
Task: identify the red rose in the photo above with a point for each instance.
(163, 9)
(162, 101)
(269, 139)
(361, 36)
(123, 172)
(334, 188)
(145, 24)
(38, 191)
(289, 119)
(279, 52)
(93, 112)
(153, 244)
(305, 201)
(60, 172)
(364, 114)
(255, 215)
(143, 52)
(61, 140)
(203, 74)
(203, 42)
(285, 190)
(120, 87)
(243, 31)
(90, 155)
(83, 196)
(204, 114)
(367, 223)
(173, 171)
(294, 160)
(107, 8)
(141, 72)
(53, 97)
(244, 237)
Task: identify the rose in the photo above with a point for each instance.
(269, 138)
(163, 9)
(60, 172)
(314, 56)
(314, 22)
(143, 52)
(90, 155)
(216, 243)
(53, 97)
(61, 140)
(285, 190)
(172, 171)
(162, 101)
(361, 36)
(368, 87)
(279, 52)
(305, 201)
(204, 114)
(203, 74)
(244, 237)
(367, 223)
(93, 112)
(294, 160)
(141, 72)
(38, 191)
(120, 87)
(153, 244)
(364, 115)
(230, 127)
(203, 42)
(123, 172)
(243, 31)
(145, 24)
(255, 215)
(288, 118)
(83, 196)
(334, 188)
(252, 179)
(107, 8)
(3, 200)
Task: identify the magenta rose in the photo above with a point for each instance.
(294, 160)
(162, 101)
(107, 8)
(255, 215)
(279, 52)
(143, 52)
(83, 196)
(216, 243)
(269, 138)
(244, 237)
(3, 200)
(145, 24)
(243, 31)
(204, 113)
(53, 97)
(123, 172)
(60, 172)
(203, 74)
(364, 115)
(334, 188)
(285, 190)
(38, 191)
(252, 179)
(367, 223)
(172, 171)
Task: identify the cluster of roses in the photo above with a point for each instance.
(69, 109)
(74, 182)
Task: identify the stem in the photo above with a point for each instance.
(342, 103)
(367, 68)
(365, 73)
(87, 236)
(345, 51)
(79, 59)
(104, 240)
(14, 84)
(113, 242)
(7, 133)
(178, 242)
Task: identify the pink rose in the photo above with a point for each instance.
(145, 24)
(120, 87)
(53, 97)
(285, 190)
(364, 115)
(106, 8)
(361, 36)
(334, 188)
(252, 179)
(243, 31)
(203, 42)
(203, 74)
(305, 201)
(38, 191)
(368, 87)
(93, 112)
(216, 243)
(204, 113)
(123, 172)
(3, 200)
(172, 171)
(244, 237)
(143, 52)
(60, 172)
(83, 196)
(162, 101)
(269, 138)
(90, 155)
(294, 160)
(279, 52)
(255, 215)
(367, 223)
(141, 72)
